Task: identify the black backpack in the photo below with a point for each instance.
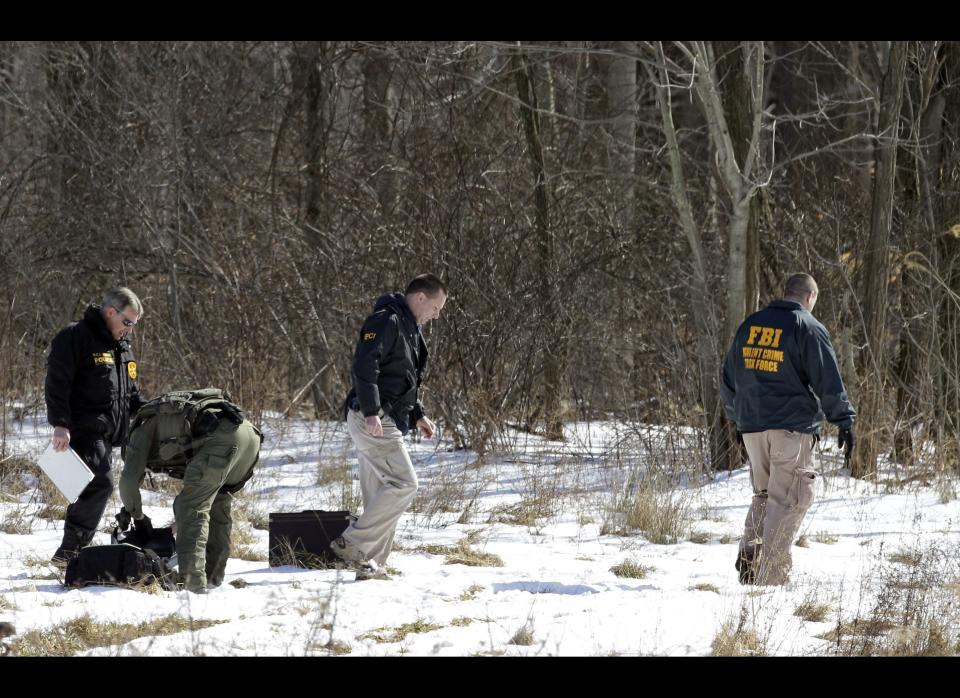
(119, 564)
(189, 416)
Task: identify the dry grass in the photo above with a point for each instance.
(250, 553)
(935, 640)
(84, 633)
(857, 628)
(812, 611)
(730, 642)
(13, 468)
(245, 508)
(705, 587)
(632, 569)
(736, 639)
(542, 491)
(470, 593)
(527, 512)
(910, 558)
(51, 496)
(699, 537)
(244, 545)
(663, 516)
(16, 523)
(335, 647)
(336, 475)
(349, 497)
(54, 512)
(444, 493)
(915, 611)
(388, 635)
(462, 553)
(461, 622)
(333, 471)
(820, 537)
(44, 564)
(523, 637)
(286, 555)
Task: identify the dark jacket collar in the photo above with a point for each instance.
(786, 305)
(93, 317)
(398, 302)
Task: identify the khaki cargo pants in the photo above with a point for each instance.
(202, 511)
(784, 482)
(388, 485)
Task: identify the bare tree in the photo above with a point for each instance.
(876, 268)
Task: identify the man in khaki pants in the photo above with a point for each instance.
(382, 406)
(780, 379)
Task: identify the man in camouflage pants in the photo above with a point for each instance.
(220, 463)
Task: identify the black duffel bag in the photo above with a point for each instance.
(121, 565)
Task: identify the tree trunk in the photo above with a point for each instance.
(377, 126)
(948, 248)
(876, 269)
(738, 104)
(916, 338)
(701, 300)
(554, 353)
(307, 57)
(736, 142)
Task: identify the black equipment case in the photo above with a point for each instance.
(303, 538)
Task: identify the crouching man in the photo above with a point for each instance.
(202, 438)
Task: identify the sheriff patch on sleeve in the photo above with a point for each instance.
(367, 336)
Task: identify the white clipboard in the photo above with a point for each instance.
(66, 470)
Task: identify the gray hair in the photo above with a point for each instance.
(122, 298)
(800, 285)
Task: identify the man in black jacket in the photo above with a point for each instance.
(91, 391)
(382, 406)
(780, 379)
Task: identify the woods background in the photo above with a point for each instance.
(605, 214)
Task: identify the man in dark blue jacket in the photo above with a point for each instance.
(780, 380)
(383, 405)
(91, 391)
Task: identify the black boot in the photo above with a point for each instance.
(73, 540)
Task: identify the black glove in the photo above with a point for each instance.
(123, 519)
(845, 441)
(144, 525)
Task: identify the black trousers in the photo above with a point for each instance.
(83, 516)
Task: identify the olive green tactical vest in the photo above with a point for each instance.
(171, 426)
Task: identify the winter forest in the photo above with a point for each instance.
(605, 215)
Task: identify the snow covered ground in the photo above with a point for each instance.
(877, 562)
